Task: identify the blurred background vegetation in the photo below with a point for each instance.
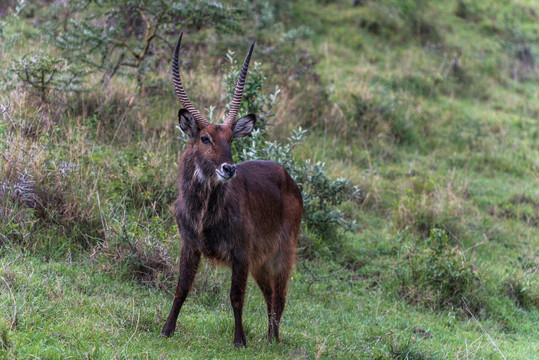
(411, 126)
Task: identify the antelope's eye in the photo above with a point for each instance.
(205, 140)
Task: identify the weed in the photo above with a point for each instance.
(398, 19)
(522, 288)
(406, 351)
(39, 189)
(133, 257)
(404, 347)
(428, 205)
(4, 339)
(212, 285)
(435, 274)
(377, 120)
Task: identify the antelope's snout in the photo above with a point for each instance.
(226, 172)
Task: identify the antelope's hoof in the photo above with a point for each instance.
(240, 342)
(167, 332)
(239, 345)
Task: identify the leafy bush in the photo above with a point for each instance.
(254, 101)
(437, 275)
(45, 73)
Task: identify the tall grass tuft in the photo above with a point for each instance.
(437, 275)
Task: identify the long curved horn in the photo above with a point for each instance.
(200, 120)
(238, 92)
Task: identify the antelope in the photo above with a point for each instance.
(246, 216)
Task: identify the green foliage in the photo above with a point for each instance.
(254, 100)
(434, 274)
(139, 185)
(467, 10)
(45, 73)
(136, 253)
(43, 198)
(415, 16)
(270, 13)
(406, 351)
(522, 285)
(117, 34)
(519, 43)
(426, 204)
(522, 288)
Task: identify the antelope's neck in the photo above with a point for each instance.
(200, 200)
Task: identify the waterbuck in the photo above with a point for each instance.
(246, 216)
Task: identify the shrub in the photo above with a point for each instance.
(44, 196)
(254, 101)
(141, 186)
(435, 274)
(45, 73)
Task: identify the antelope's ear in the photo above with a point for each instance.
(244, 126)
(187, 123)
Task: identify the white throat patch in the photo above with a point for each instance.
(199, 175)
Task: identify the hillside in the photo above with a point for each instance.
(412, 127)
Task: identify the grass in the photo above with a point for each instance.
(89, 247)
(75, 309)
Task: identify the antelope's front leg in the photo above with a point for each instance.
(240, 272)
(189, 260)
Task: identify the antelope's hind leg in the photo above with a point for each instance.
(279, 300)
(189, 260)
(264, 282)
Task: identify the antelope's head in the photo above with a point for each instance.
(211, 143)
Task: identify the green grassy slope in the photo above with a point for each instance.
(427, 106)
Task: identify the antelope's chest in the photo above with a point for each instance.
(218, 242)
(211, 222)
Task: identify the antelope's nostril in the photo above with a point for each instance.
(230, 170)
